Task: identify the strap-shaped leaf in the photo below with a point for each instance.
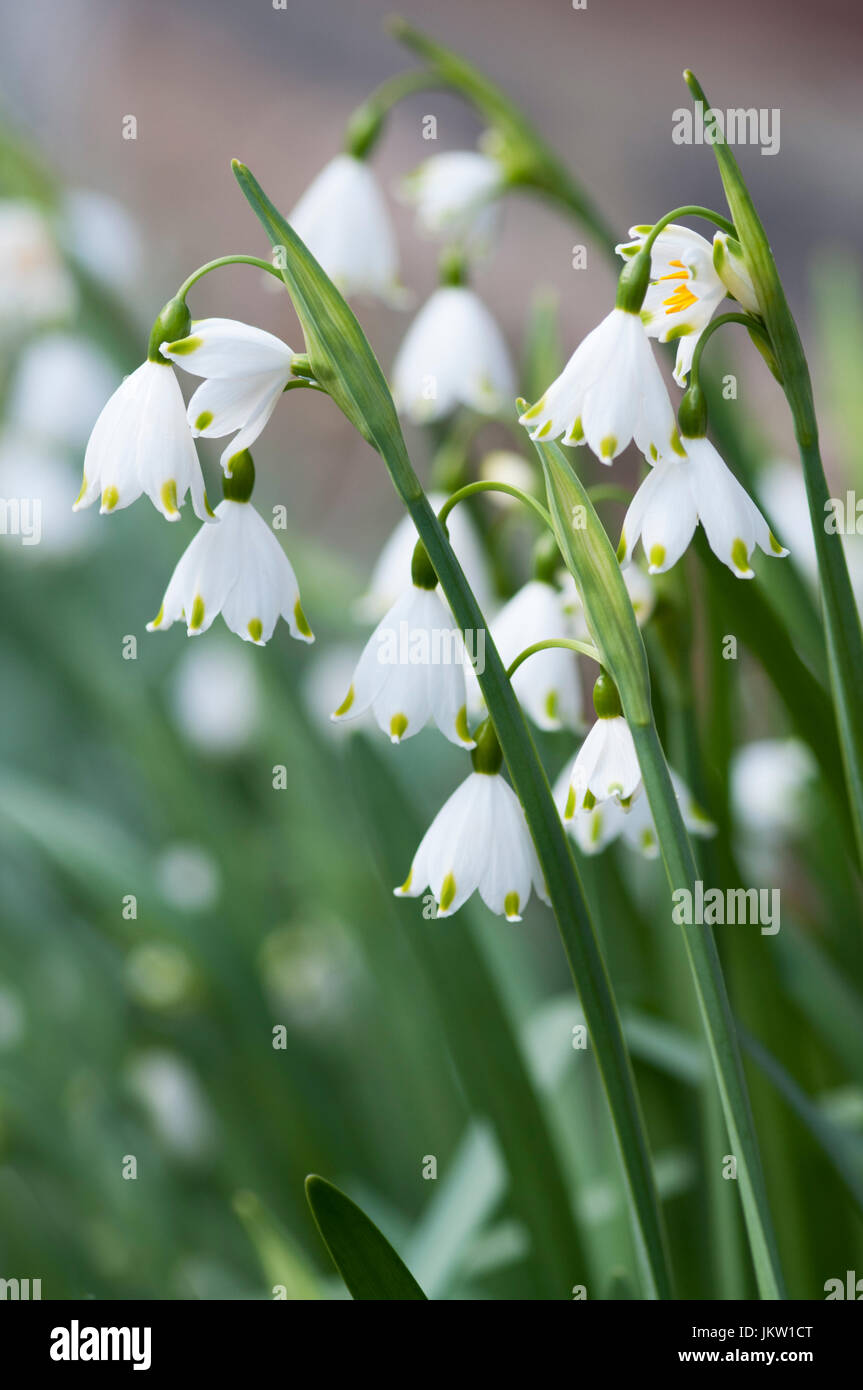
(364, 1258)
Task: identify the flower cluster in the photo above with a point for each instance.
(612, 392)
(417, 667)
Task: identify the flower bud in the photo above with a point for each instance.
(173, 323)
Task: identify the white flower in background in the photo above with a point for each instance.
(36, 481)
(677, 494)
(546, 684)
(606, 765)
(175, 1103)
(595, 828)
(394, 562)
(412, 670)
(188, 877)
(325, 678)
(245, 370)
(453, 354)
(610, 391)
(685, 288)
(455, 196)
(35, 286)
(771, 780)
(236, 568)
(102, 237)
(215, 696)
(478, 840)
(343, 220)
(638, 586)
(507, 466)
(60, 384)
(141, 443)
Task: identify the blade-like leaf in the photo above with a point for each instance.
(364, 1258)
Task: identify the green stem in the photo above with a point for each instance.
(716, 1013)
(688, 210)
(489, 485)
(843, 633)
(217, 265)
(570, 644)
(754, 325)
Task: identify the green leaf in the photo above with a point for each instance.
(364, 1258)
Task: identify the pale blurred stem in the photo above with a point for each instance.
(489, 485)
(843, 633)
(570, 644)
(224, 261)
(716, 1013)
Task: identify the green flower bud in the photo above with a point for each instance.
(173, 323)
(452, 267)
(633, 283)
(692, 413)
(238, 484)
(422, 570)
(606, 700)
(486, 757)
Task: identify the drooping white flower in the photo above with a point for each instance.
(453, 354)
(343, 219)
(455, 196)
(393, 564)
(141, 443)
(245, 370)
(685, 286)
(610, 391)
(412, 670)
(35, 286)
(478, 840)
(236, 568)
(605, 768)
(596, 827)
(677, 494)
(546, 684)
(606, 765)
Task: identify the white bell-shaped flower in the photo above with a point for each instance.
(606, 765)
(546, 684)
(610, 392)
(343, 220)
(596, 827)
(245, 370)
(677, 494)
(479, 840)
(237, 568)
(455, 195)
(453, 354)
(387, 582)
(412, 669)
(141, 443)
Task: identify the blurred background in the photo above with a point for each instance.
(165, 908)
